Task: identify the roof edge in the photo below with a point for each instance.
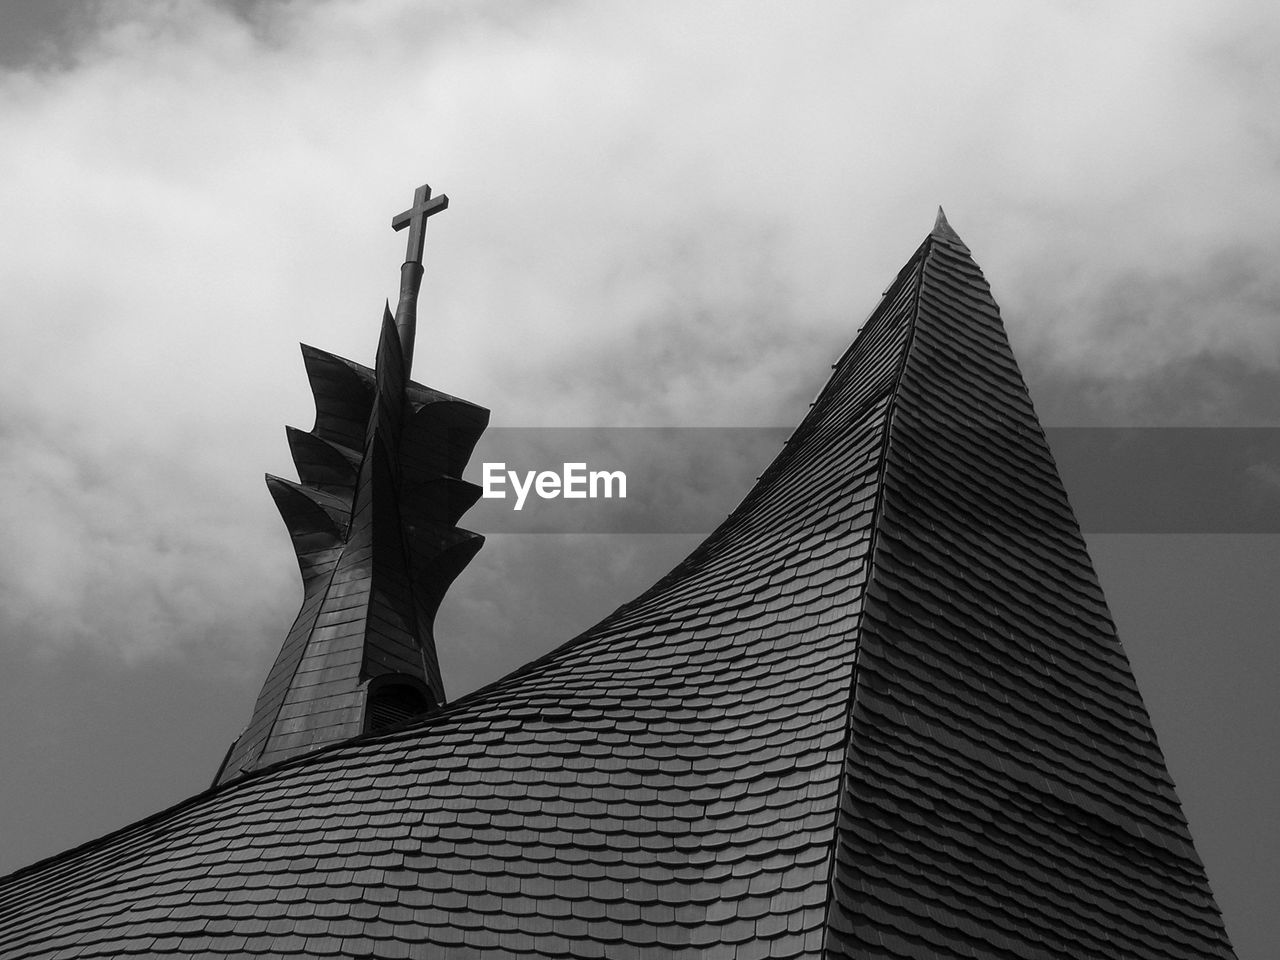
(918, 260)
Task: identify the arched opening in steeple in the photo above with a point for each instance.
(394, 698)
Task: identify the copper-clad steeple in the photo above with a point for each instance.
(373, 520)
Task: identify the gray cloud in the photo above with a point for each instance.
(661, 215)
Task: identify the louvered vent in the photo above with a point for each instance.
(393, 703)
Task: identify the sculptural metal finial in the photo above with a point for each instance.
(415, 218)
(373, 519)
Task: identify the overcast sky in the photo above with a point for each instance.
(662, 214)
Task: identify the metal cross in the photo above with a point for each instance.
(415, 218)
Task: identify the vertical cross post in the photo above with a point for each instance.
(415, 218)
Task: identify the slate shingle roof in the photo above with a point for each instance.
(880, 712)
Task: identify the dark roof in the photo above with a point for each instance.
(880, 712)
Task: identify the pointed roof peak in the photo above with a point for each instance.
(940, 225)
(942, 230)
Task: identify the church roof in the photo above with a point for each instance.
(880, 712)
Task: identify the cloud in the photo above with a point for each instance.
(662, 214)
(518, 605)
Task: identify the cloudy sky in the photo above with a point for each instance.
(663, 214)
